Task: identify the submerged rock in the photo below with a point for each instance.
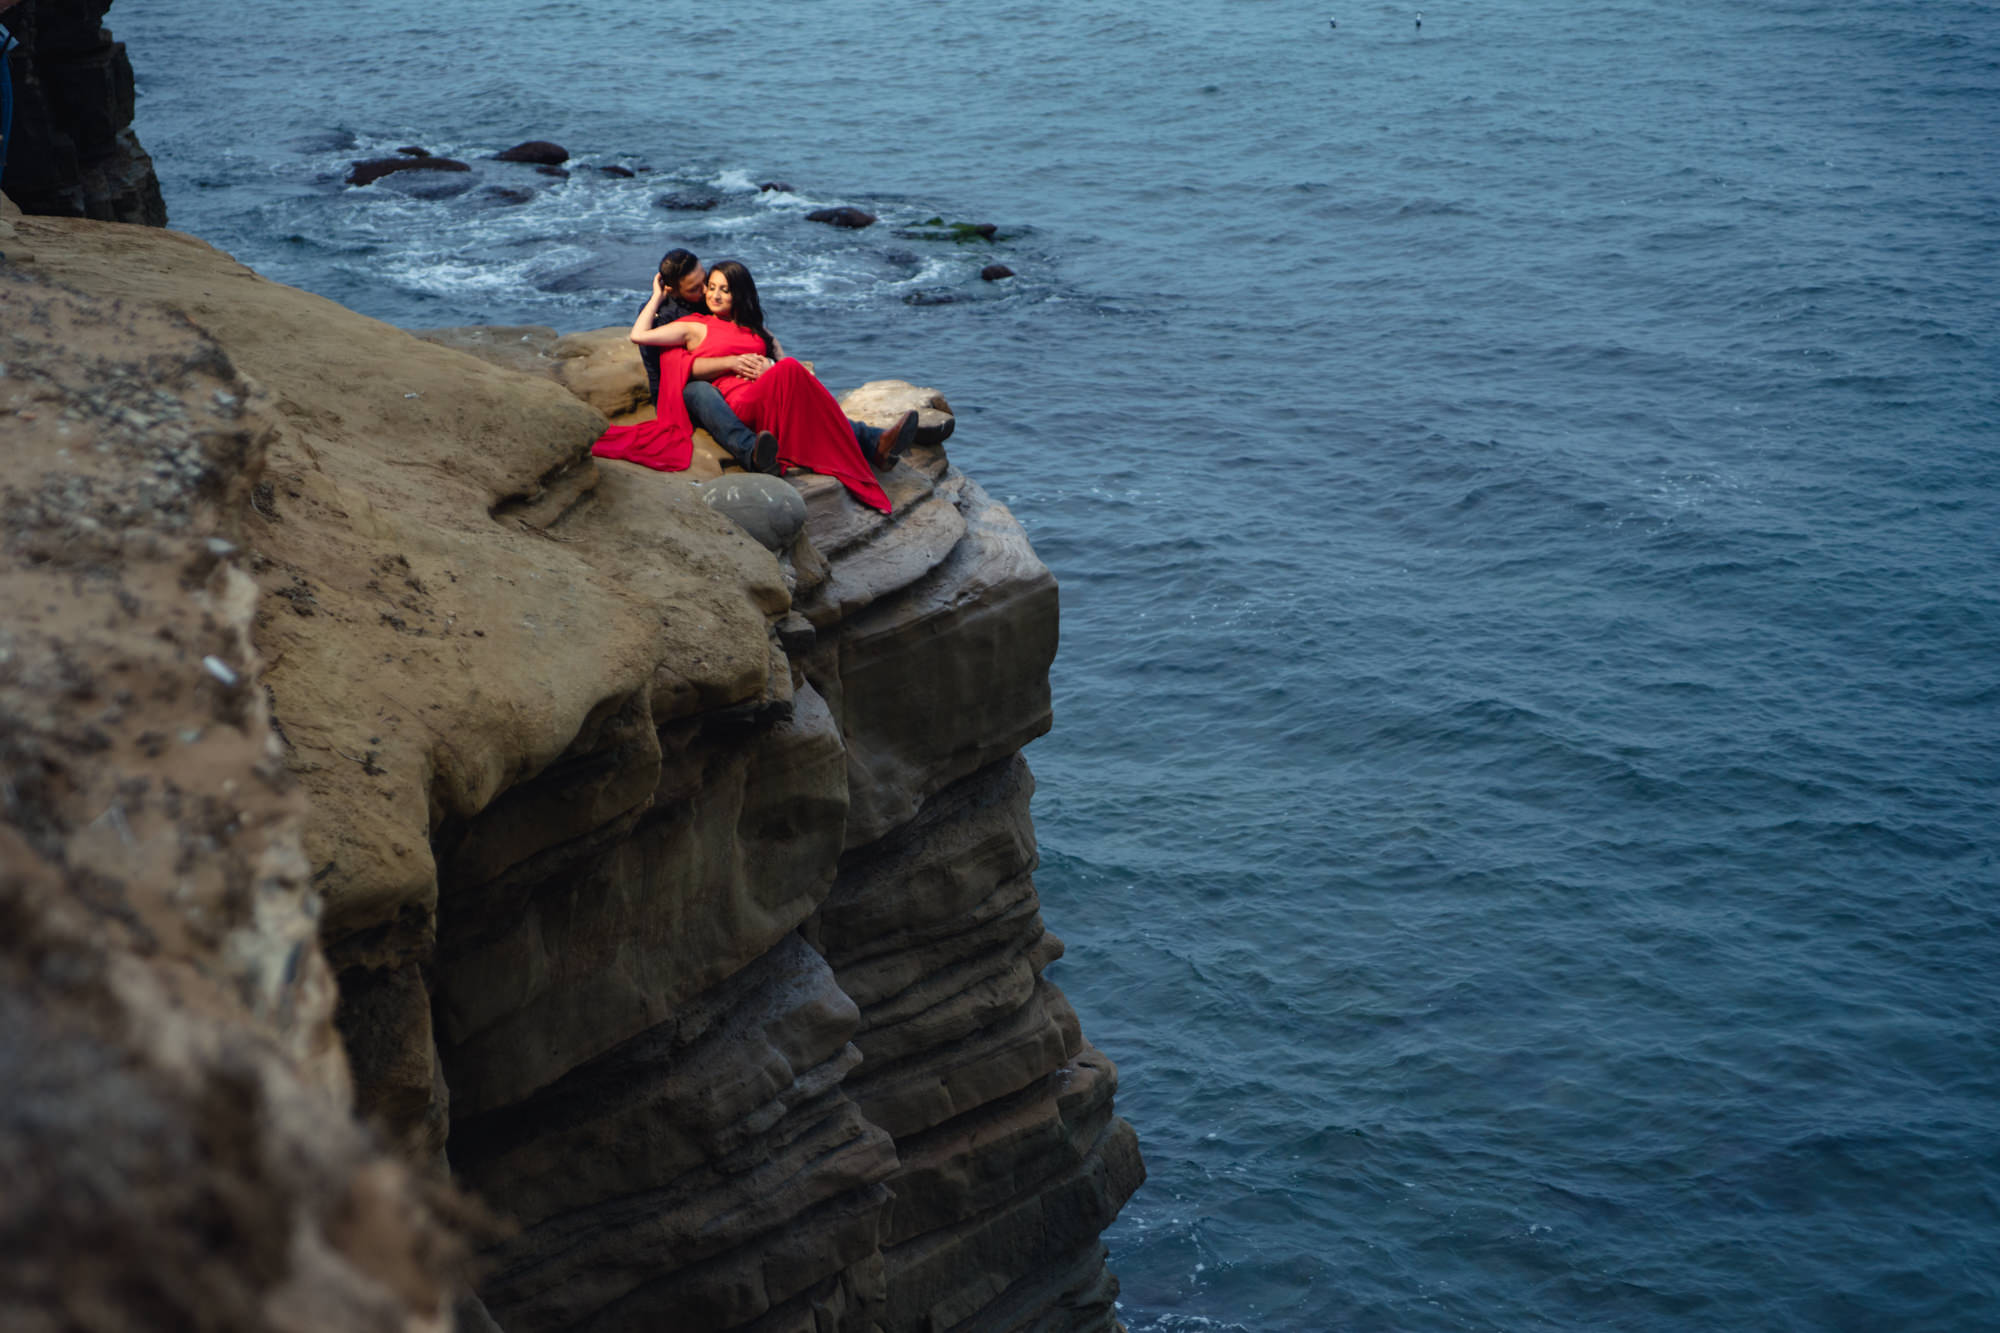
(445, 186)
(957, 232)
(539, 151)
(995, 272)
(842, 217)
(324, 141)
(686, 203)
(374, 169)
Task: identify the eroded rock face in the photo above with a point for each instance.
(1010, 1159)
(174, 1135)
(680, 892)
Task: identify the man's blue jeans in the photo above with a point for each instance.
(706, 408)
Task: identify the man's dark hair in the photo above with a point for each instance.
(675, 265)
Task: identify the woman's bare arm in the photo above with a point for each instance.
(680, 333)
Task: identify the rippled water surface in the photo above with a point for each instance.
(1522, 807)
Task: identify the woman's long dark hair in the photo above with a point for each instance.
(744, 307)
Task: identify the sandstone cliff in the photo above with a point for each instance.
(679, 894)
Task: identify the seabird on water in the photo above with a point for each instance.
(1420, 18)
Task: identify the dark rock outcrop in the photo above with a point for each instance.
(73, 153)
(374, 169)
(842, 217)
(681, 201)
(538, 151)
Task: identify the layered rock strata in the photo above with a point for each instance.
(680, 894)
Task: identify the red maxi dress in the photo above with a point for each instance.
(813, 433)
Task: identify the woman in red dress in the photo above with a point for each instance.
(768, 390)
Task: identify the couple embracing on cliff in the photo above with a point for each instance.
(711, 362)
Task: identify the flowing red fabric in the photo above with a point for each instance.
(813, 433)
(666, 443)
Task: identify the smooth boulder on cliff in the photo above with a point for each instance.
(764, 507)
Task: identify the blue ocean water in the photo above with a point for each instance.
(1523, 800)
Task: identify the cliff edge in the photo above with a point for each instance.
(678, 894)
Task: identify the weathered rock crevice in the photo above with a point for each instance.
(680, 894)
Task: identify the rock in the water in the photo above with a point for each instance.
(937, 229)
(326, 141)
(412, 150)
(767, 508)
(995, 272)
(374, 169)
(551, 169)
(623, 172)
(842, 217)
(930, 298)
(447, 186)
(686, 203)
(507, 194)
(539, 151)
(784, 187)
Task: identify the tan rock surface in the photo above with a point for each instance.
(880, 402)
(422, 613)
(171, 1069)
(587, 800)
